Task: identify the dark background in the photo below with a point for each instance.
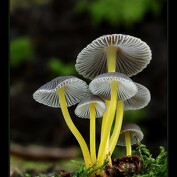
(45, 39)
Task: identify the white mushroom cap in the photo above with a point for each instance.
(133, 129)
(133, 55)
(101, 86)
(140, 100)
(75, 89)
(83, 108)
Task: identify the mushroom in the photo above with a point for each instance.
(91, 107)
(114, 86)
(138, 101)
(64, 92)
(126, 137)
(113, 53)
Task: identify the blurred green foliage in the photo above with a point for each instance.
(119, 152)
(135, 115)
(58, 67)
(25, 165)
(118, 12)
(21, 50)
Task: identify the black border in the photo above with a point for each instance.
(171, 61)
(8, 92)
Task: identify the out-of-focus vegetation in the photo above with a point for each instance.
(21, 166)
(21, 50)
(122, 12)
(58, 67)
(135, 115)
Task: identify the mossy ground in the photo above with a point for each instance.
(143, 161)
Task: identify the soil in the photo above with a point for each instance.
(124, 166)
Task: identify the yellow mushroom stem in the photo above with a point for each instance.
(104, 117)
(108, 153)
(117, 126)
(108, 117)
(92, 133)
(111, 106)
(108, 123)
(111, 58)
(102, 128)
(72, 127)
(128, 143)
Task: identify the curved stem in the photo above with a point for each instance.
(72, 127)
(108, 122)
(117, 126)
(102, 128)
(128, 143)
(104, 117)
(92, 132)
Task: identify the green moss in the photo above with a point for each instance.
(86, 172)
(151, 167)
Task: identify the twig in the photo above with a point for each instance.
(42, 153)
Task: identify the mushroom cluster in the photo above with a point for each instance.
(109, 62)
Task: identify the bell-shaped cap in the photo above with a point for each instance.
(133, 55)
(101, 86)
(133, 129)
(140, 100)
(83, 108)
(74, 88)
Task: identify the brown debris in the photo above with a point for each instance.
(128, 165)
(64, 174)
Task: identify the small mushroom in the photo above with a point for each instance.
(138, 101)
(83, 109)
(126, 137)
(116, 86)
(74, 90)
(101, 86)
(91, 107)
(64, 92)
(113, 53)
